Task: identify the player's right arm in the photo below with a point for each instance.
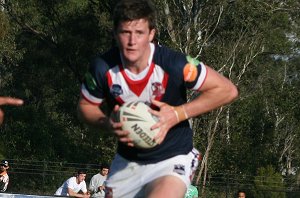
(92, 115)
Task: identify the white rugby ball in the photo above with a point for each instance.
(136, 119)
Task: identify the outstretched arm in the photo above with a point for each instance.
(8, 101)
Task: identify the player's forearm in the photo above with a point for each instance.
(210, 100)
(92, 115)
(216, 91)
(93, 119)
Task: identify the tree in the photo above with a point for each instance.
(267, 181)
(241, 40)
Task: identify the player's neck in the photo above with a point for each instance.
(138, 66)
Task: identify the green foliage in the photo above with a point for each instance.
(46, 47)
(58, 39)
(266, 181)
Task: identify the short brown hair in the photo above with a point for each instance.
(129, 10)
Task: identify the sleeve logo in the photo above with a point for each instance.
(190, 70)
(90, 81)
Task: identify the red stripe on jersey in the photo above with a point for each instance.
(137, 86)
(120, 101)
(164, 84)
(109, 80)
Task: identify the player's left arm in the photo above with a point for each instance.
(216, 91)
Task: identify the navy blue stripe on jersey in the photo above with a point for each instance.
(164, 81)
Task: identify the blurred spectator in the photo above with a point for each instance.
(73, 186)
(97, 186)
(4, 178)
(241, 194)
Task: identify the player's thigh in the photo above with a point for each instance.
(171, 186)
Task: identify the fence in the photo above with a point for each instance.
(44, 177)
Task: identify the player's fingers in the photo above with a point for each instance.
(158, 103)
(130, 144)
(159, 138)
(116, 108)
(121, 133)
(126, 140)
(155, 126)
(10, 101)
(153, 112)
(115, 125)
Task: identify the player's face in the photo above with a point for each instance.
(133, 38)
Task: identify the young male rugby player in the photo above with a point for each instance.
(138, 70)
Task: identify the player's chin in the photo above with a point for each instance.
(130, 56)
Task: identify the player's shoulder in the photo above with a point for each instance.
(107, 59)
(168, 55)
(112, 56)
(162, 51)
(169, 59)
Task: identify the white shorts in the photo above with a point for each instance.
(128, 179)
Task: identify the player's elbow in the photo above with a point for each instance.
(232, 92)
(80, 113)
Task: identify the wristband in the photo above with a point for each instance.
(180, 113)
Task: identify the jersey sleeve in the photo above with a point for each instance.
(92, 88)
(194, 73)
(186, 69)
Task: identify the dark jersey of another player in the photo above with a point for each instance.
(162, 80)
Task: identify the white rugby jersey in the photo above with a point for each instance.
(162, 80)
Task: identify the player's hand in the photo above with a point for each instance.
(86, 195)
(167, 119)
(8, 101)
(117, 128)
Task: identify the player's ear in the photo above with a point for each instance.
(152, 34)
